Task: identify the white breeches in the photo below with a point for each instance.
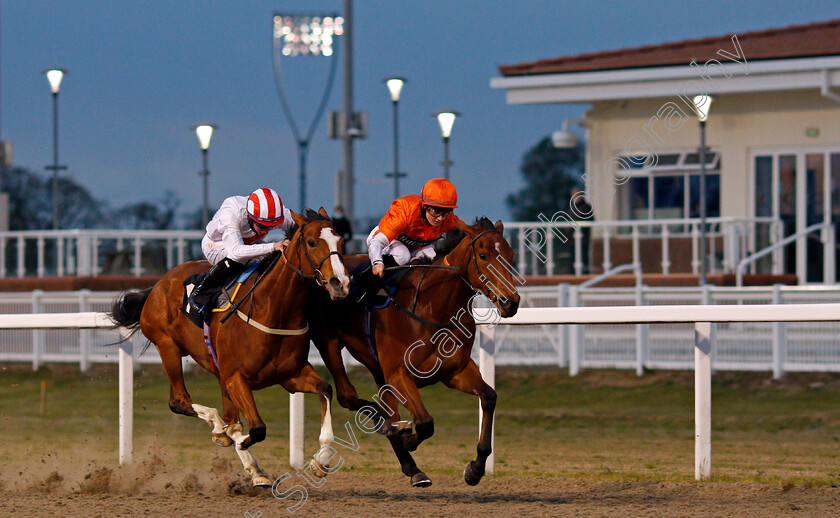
(401, 253)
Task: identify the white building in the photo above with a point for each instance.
(773, 131)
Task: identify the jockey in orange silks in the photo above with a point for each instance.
(412, 225)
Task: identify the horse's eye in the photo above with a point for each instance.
(482, 256)
(311, 243)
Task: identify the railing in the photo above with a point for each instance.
(701, 317)
(704, 343)
(543, 247)
(776, 348)
(827, 237)
(96, 252)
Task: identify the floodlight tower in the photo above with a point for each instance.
(304, 35)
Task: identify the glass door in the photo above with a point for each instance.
(801, 189)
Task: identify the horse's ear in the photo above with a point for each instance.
(500, 226)
(323, 212)
(300, 220)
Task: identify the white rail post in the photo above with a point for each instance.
(562, 330)
(84, 268)
(576, 338)
(487, 365)
(3, 257)
(37, 334)
(296, 429)
(84, 334)
(702, 400)
(138, 257)
(126, 399)
(21, 257)
(39, 268)
(779, 338)
(59, 256)
(642, 335)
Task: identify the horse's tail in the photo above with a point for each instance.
(128, 307)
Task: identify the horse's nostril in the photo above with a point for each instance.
(335, 283)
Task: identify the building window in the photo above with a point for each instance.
(670, 188)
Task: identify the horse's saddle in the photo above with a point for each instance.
(218, 298)
(369, 289)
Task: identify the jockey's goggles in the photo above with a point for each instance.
(438, 211)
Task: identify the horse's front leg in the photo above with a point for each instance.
(243, 399)
(405, 389)
(470, 381)
(407, 464)
(345, 391)
(309, 381)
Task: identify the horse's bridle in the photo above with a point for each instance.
(319, 278)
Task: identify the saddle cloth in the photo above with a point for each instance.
(218, 298)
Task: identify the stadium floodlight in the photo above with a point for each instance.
(304, 35)
(307, 35)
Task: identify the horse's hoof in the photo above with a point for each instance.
(472, 475)
(420, 479)
(261, 481)
(222, 439)
(317, 469)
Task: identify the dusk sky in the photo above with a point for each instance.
(141, 73)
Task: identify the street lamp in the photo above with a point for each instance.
(395, 85)
(204, 133)
(702, 105)
(446, 118)
(54, 76)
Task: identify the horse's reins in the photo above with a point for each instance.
(235, 307)
(318, 278)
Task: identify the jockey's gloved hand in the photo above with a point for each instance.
(378, 269)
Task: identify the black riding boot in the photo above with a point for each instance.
(214, 279)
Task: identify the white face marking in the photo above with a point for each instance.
(329, 235)
(498, 248)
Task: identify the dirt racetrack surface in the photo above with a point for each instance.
(154, 490)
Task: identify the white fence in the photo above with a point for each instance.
(704, 344)
(542, 247)
(775, 347)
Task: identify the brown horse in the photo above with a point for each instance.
(423, 337)
(269, 346)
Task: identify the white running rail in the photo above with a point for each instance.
(702, 316)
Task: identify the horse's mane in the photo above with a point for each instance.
(484, 223)
(309, 215)
(451, 239)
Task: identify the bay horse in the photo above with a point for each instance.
(268, 346)
(424, 336)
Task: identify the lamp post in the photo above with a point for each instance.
(446, 118)
(702, 105)
(204, 133)
(54, 76)
(395, 85)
